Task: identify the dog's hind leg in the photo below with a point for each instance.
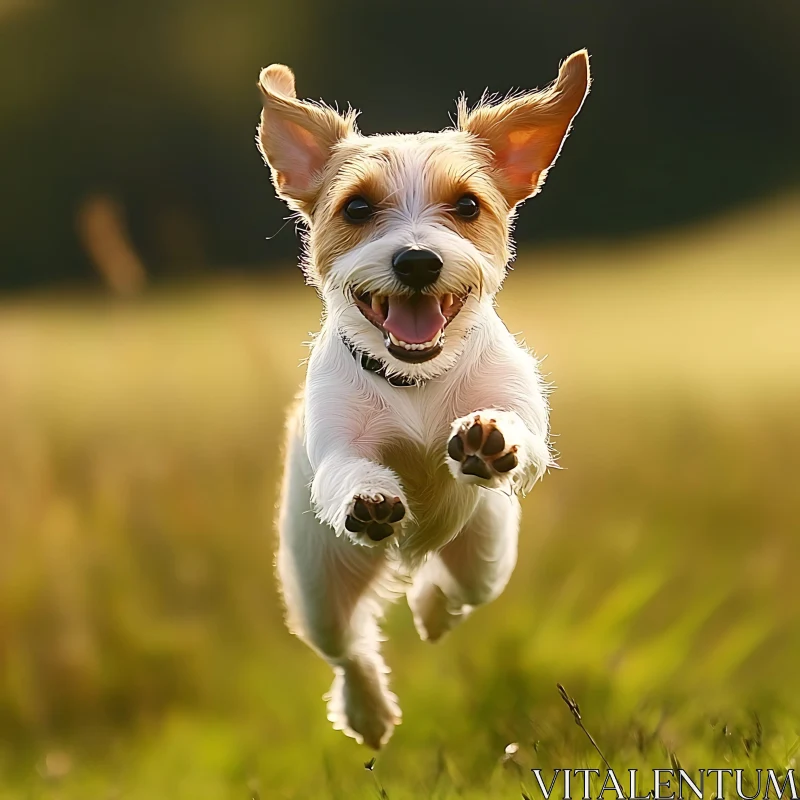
(472, 570)
(331, 588)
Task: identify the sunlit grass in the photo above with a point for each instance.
(142, 653)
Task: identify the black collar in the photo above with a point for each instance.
(370, 364)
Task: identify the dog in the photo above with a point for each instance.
(422, 419)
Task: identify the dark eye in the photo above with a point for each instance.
(467, 207)
(357, 209)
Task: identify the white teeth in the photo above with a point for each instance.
(377, 304)
(406, 346)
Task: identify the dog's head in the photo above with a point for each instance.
(409, 236)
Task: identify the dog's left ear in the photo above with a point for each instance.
(525, 133)
(296, 137)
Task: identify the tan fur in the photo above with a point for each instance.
(525, 132)
(500, 152)
(374, 170)
(363, 441)
(286, 120)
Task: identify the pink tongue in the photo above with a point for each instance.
(415, 319)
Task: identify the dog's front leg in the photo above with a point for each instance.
(358, 497)
(503, 443)
(346, 428)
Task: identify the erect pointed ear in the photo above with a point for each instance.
(296, 137)
(525, 133)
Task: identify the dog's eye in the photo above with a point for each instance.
(467, 207)
(357, 209)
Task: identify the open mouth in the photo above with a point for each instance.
(413, 326)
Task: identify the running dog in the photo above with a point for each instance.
(422, 418)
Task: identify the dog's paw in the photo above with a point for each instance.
(479, 451)
(362, 707)
(373, 518)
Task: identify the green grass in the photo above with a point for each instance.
(142, 652)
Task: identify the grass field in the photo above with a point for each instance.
(142, 653)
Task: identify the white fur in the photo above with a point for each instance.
(459, 536)
(354, 434)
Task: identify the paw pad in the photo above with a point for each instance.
(481, 449)
(375, 516)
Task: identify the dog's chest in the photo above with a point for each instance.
(416, 425)
(421, 468)
(439, 505)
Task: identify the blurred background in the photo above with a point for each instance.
(152, 322)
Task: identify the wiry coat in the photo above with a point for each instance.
(410, 488)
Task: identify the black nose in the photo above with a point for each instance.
(417, 268)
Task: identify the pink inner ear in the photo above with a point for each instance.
(520, 138)
(527, 154)
(302, 158)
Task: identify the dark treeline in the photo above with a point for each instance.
(153, 103)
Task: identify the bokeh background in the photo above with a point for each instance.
(152, 323)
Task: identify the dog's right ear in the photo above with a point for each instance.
(296, 137)
(525, 132)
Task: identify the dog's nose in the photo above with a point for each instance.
(417, 268)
